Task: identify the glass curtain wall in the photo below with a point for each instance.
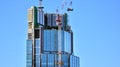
(50, 60)
(51, 41)
(29, 53)
(37, 54)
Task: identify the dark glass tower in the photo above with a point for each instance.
(44, 38)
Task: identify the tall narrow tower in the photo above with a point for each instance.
(50, 40)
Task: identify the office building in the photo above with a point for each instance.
(47, 44)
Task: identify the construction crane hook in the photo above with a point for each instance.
(70, 8)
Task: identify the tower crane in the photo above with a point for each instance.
(59, 23)
(70, 8)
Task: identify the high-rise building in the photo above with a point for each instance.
(49, 45)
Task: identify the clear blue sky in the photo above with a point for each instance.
(95, 23)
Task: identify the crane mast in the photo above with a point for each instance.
(59, 23)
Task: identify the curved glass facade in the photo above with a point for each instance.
(51, 41)
(49, 56)
(50, 60)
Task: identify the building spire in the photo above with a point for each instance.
(40, 4)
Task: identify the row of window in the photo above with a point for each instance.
(51, 60)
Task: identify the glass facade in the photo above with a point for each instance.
(50, 20)
(29, 53)
(51, 41)
(42, 43)
(37, 54)
(50, 60)
(49, 57)
(74, 61)
(41, 17)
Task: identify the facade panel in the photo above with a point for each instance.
(51, 60)
(74, 61)
(44, 60)
(65, 59)
(29, 53)
(41, 17)
(37, 54)
(51, 41)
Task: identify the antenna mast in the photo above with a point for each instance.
(40, 4)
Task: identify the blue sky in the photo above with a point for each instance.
(95, 23)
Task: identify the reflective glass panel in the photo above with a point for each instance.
(29, 53)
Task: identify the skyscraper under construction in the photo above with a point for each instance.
(50, 40)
